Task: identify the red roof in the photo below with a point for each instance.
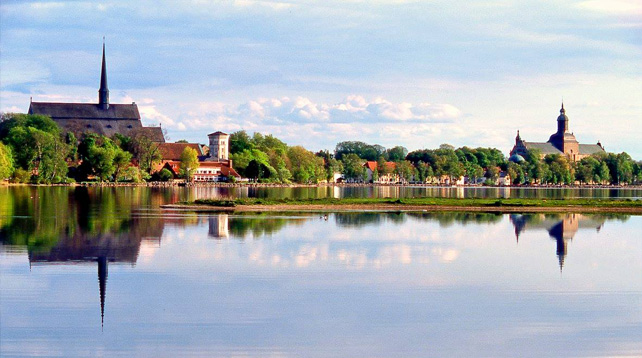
(173, 151)
(372, 165)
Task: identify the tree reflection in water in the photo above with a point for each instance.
(61, 225)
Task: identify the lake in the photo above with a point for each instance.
(104, 272)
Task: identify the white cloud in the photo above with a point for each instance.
(618, 7)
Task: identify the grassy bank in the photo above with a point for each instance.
(414, 204)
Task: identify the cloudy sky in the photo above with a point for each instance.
(391, 72)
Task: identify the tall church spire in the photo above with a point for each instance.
(103, 92)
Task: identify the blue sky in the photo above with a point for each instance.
(411, 73)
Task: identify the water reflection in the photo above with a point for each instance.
(561, 228)
(384, 284)
(77, 236)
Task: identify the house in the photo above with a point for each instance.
(372, 174)
(214, 163)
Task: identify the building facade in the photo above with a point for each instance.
(562, 142)
(214, 164)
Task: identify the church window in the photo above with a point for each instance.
(129, 126)
(109, 126)
(89, 126)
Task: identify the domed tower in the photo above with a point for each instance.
(563, 139)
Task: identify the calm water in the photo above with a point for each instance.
(103, 272)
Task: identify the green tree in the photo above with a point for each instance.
(352, 167)
(165, 175)
(560, 169)
(6, 162)
(305, 166)
(405, 170)
(189, 163)
(240, 142)
(396, 154)
(122, 160)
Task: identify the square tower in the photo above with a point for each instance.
(219, 146)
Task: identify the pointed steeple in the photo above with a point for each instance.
(103, 92)
(562, 111)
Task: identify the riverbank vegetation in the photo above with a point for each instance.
(33, 149)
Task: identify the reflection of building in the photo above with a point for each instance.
(103, 118)
(82, 248)
(561, 228)
(561, 142)
(218, 226)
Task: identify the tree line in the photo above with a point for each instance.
(34, 149)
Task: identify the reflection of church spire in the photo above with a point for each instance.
(519, 223)
(561, 232)
(102, 282)
(561, 251)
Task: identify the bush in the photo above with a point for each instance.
(132, 174)
(20, 176)
(165, 175)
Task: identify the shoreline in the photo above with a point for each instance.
(411, 205)
(320, 185)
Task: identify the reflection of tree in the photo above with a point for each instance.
(561, 227)
(77, 225)
(359, 219)
(446, 219)
(259, 224)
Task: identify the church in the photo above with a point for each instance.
(561, 142)
(103, 118)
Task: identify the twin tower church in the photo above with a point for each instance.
(107, 119)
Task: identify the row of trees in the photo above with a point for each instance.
(268, 159)
(34, 149)
(602, 168)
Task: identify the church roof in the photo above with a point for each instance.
(544, 148)
(155, 134)
(85, 111)
(590, 149)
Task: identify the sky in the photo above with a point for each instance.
(314, 73)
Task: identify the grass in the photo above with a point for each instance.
(470, 202)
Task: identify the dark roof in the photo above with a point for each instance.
(155, 134)
(215, 133)
(545, 148)
(173, 151)
(84, 111)
(590, 149)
